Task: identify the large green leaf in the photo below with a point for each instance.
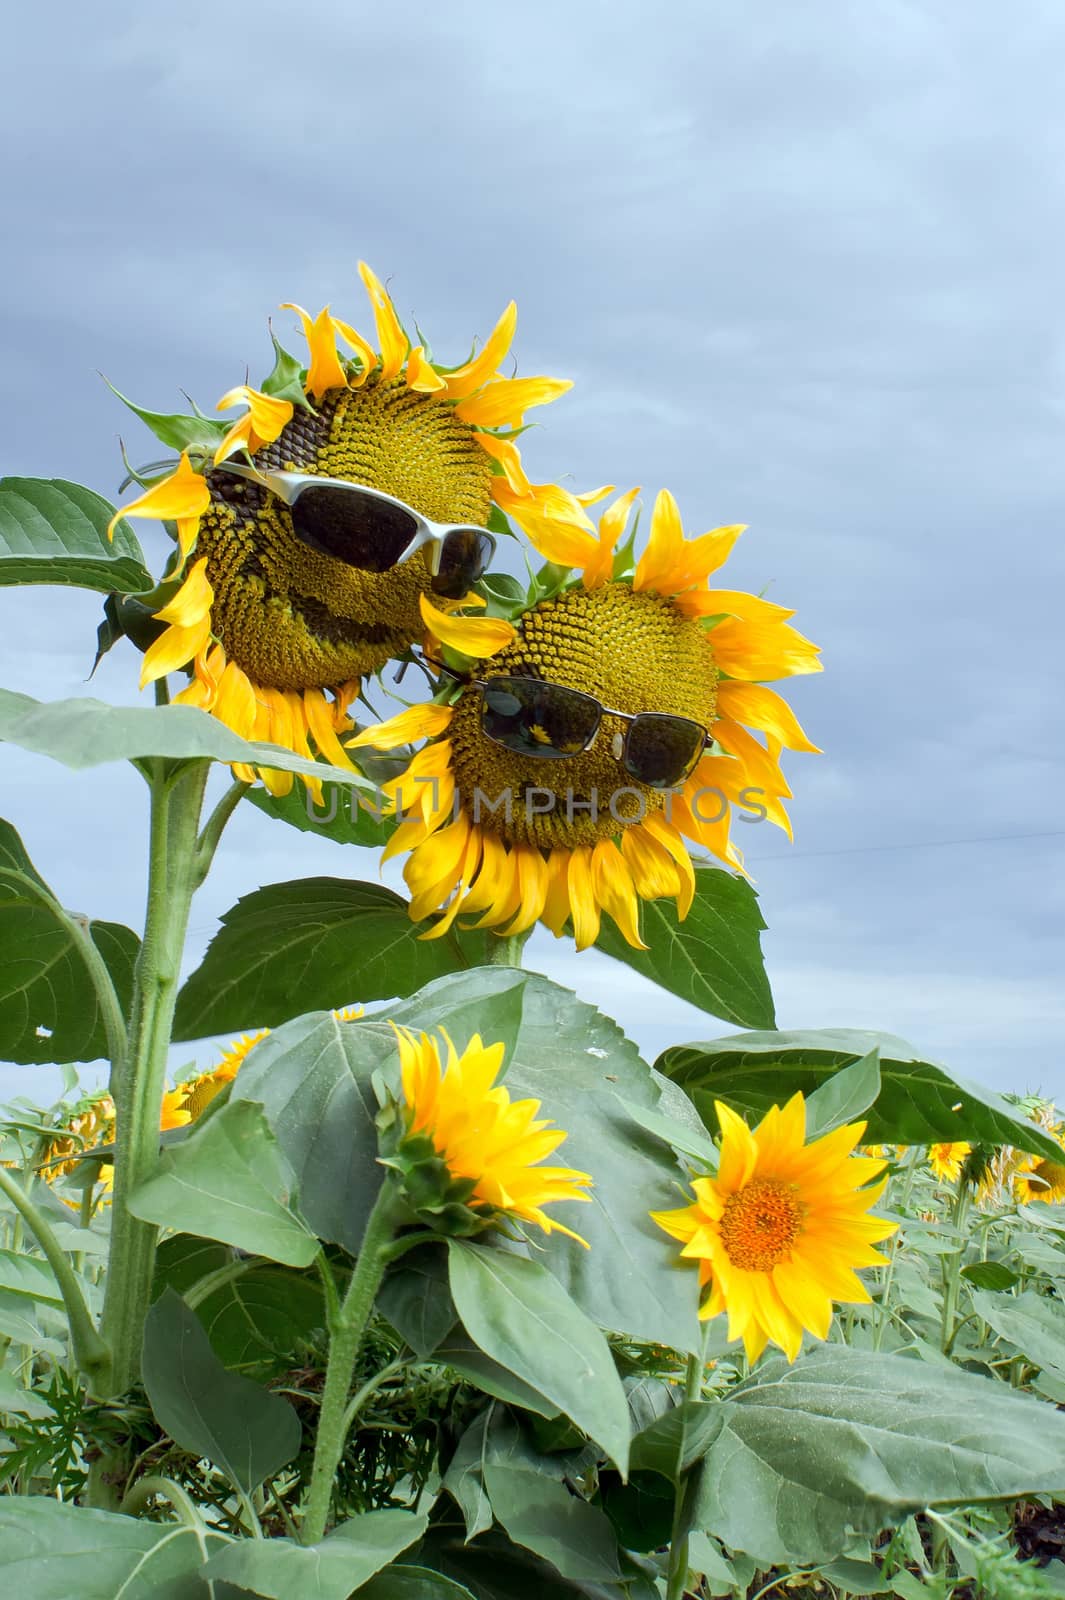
(229, 1180)
(404, 1582)
(53, 1551)
(520, 1316)
(49, 1008)
(581, 1068)
(495, 1568)
(245, 1430)
(89, 733)
(341, 818)
(541, 1514)
(262, 1316)
(713, 959)
(918, 1103)
(308, 945)
(331, 1570)
(1035, 1326)
(52, 531)
(847, 1442)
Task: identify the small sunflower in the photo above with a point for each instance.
(1038, 1178)
(514, 839)
(490, 1146)
(275, 635)
(779, 1231)
(196, 1093)
(947, 1160)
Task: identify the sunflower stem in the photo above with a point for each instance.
(346, 1334)
(138, 1081)
(952, 1264)
(504, 950)
(677, 1570)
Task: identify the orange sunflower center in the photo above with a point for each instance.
(760, 1224)
(293, 618)
(633, 652)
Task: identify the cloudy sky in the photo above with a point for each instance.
(804, 266)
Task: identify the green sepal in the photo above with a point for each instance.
(286, 380)
(126, 617)
(498, 523)
(435, 1197)
(197, 433)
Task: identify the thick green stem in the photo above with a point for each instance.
(346, 1336)
(952, 1266)
(90, 1351)
(138, 1083)
(505, 950)
(884, 1308)
(677, 1571)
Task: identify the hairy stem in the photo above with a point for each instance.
(346, 1334)
(504, 950)
(677, 1570)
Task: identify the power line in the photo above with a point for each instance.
(915, 844)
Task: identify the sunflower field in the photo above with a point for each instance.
(425, 1285)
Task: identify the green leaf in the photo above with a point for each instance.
(497, 1569)
(518, 1314)
(640, 1511)
(49, 1009)
(246, 1431)
(229, 1180)
(14, 1398)
(674, 1441)
(53, 1551)
(581, 1068)
(349, 818)
(847, 1442)
(331, 1570)
(22, 1274)
(458, 1351)
(990, 1275)
(262, 1316)
(844, 1097)
(919, 1102)
(178, 431)
(52, 531)
(413, 1583)
(713, 959)
(88, 733)
(308, 945)
(541, 1514)
(416, 1300)
(1032, 1324)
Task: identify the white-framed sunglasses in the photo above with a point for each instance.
(373, 531)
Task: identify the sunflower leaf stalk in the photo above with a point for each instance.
(346, 1334)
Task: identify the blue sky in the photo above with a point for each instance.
(804, 266)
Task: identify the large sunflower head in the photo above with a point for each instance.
(514, 838)
(275, 634)
(779, 1231)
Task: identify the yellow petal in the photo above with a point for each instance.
(556, 902)
(319, 716)
(193, 600)
(390, 335)
(763, 708)
(600, 569)
(505, 451)
(174, 648)
(365, 351)
(472, 636)
(754, 651)
(416, 722)
(731, 603)
(183, 495)
(532, 888)
(615, 891)
(584, 907)
(325, 370)
(422, 376)
(665, 545)
(503, 404)
(464, 380)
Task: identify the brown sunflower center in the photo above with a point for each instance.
(293, 618)
(633, 652)
(760, 1224)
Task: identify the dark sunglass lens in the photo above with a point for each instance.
(661, 751)
(352, 527)
(464, 555)
(538, 719)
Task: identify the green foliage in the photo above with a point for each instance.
(52, 531)
(713, 959)
(314, 943)
(49, 1006)
(918, 1103)
(54, 1551)
(243, 1429)
(343, 818)
(347, 1558)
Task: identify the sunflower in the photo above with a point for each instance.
(196, 1093)
(275, 635)
(778, 1233)
(947, 1160)
(516, 839)
(491, 1146)
(1038, 1178)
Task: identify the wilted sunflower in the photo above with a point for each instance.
(529, 804)
(947, 1160)
(277, 633)
(490, 1146)
(779, 1231)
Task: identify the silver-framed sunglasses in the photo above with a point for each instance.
(373, 531)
